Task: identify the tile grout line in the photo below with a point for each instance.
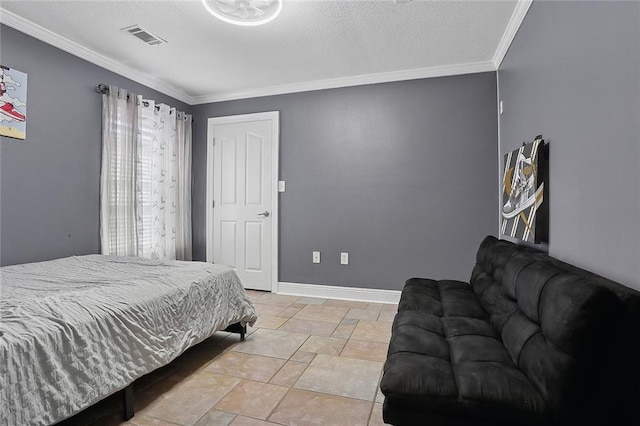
(375, 395)
(164, 420)
(246, 414)
(287, 360)
(336, 396)
(268, 418)
(214, 405)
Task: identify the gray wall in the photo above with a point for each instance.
(403, 176)
(50, 183)
(573, 74)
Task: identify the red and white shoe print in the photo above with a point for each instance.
(8, 110)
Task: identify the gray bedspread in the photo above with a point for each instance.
(76, 330)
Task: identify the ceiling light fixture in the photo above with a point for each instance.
(244, 12)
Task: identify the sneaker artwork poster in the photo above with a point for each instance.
(523, 192)
(13, 103)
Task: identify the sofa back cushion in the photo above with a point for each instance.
(560, 325)
(486, 279)
(555, 323)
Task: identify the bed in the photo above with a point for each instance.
(76, 330)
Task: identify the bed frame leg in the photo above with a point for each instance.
(127, 402)
(237, 328)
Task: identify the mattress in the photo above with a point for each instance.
(75, 330)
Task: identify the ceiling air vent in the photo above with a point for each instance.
(144, 35)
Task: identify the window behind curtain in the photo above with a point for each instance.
(145, 185)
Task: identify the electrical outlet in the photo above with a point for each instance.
(316, 257)
(344, 258)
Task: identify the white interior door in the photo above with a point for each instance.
(244, 181)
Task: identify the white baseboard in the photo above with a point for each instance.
(371, 295)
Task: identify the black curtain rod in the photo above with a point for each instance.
(104, 89)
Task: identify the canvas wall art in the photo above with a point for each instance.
(523, 193)
(13, 103)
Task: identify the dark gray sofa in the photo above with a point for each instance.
(530, 341)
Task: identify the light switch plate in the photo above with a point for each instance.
(281, 186)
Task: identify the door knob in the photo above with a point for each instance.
(265, 214)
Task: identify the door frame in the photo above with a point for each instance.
(274, 117)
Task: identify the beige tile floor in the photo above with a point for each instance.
(306, 361)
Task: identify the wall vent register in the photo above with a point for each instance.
(144, 35)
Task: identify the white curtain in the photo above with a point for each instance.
(118, 177)
(183, 197)
(156, 178)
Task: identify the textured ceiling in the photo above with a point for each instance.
(309, 41)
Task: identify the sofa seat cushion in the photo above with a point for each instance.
(456, 365)
(440, 298)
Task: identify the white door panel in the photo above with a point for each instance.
(228, 240)
(254, 176)
(253, 246)
(228, 170)
(243, 188)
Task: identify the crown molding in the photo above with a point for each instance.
(358, 80)
(34, 30)
(520, 11)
